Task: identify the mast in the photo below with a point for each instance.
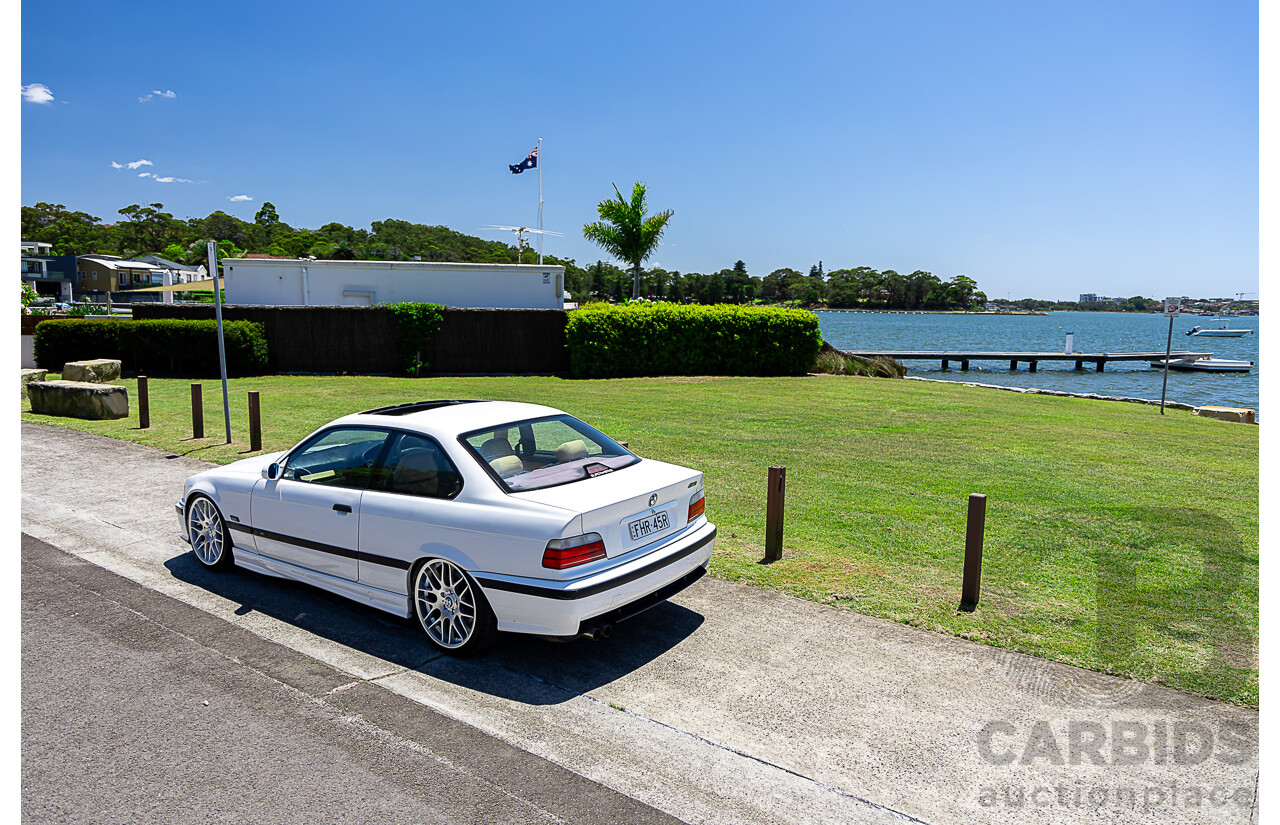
(539, 201)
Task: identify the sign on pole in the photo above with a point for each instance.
(1172, 309)
(211, 250)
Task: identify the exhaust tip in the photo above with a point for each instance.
(606, 631)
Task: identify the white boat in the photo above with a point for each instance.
(1205, 364)
(1223, 331)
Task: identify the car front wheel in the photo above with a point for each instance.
(210, 539)
(451, 609)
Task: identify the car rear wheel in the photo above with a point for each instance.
(210, 539)
(451, 609)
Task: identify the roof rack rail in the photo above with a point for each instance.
(415, 406)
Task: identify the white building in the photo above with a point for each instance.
(296, 282)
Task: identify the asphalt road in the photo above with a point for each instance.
(727, 704)
(140, 709)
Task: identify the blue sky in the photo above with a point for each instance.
(1042, 149)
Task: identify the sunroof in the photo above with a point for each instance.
(414, 406)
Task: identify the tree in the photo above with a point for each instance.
(625, 232)
(147, 229)
(962, 288)
(71, 233)
(267, 215)
(175, 252)
(711, 289)
(774, 285)
(222, 227)
(267, 221)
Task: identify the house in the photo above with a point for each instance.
(51, 276)
(305, 282)
(172, 272)
(179, 273)
(109, 273)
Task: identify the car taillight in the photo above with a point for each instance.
(697, 506)
(562, 553)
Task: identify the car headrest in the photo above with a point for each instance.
(507, 466)
(416, 472)
(496, 448)
(571, 451)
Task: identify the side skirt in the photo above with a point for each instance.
(395, 603)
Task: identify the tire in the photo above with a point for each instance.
(210, 538)
(451, 609)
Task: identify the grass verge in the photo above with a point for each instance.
(1117, 539)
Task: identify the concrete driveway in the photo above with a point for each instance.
(728, 704)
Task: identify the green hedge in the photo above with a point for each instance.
(177, 348)
(607, 341)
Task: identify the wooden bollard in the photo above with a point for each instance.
(144, 404)
(255, 422)
(774, 507)
(972, 584)
(197, 412)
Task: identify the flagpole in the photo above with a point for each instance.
(539, 201)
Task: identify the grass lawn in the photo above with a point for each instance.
(1117, 539)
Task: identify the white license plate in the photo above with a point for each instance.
(648, 525)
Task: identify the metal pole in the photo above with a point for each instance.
(539, 201)
(212, 249)
(774, 508)
(144, 404)
(972, 583)
(1168, 347)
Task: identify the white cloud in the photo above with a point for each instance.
(168, 94)
(170, 179)
(115, 165)
(238, 198)
(136, 163)
(144, 174)
(36, 93)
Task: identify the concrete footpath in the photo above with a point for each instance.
(728, 704)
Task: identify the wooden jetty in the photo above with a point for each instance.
(1100, 359)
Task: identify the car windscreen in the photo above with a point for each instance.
(546, 452)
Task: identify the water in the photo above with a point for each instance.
(1094, 332)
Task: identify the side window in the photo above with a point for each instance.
(417, 466)
(337, 458)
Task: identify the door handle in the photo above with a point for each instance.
(342, 508)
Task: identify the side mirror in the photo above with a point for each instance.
(271, 472)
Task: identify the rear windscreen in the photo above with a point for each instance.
(546, 452)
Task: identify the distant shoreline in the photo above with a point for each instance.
(934, 311)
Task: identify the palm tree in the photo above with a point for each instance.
(624, 231)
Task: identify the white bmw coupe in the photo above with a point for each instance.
(472, 516)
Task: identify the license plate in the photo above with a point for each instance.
(649, 525)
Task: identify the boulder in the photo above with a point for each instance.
(1240, 415)
(31, 375)
(78, 399)
(99, 371)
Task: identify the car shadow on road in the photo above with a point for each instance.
(535, 670)
(312, 610)
(521, 668)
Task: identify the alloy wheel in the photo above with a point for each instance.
(207, 533)
(446, 603)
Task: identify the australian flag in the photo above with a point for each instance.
(530, 162)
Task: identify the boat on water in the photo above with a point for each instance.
(1205, 364)
(1222, 331)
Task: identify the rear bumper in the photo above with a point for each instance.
(553, 608)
